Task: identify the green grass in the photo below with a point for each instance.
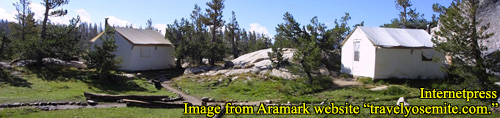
(125, 112)
(134, 112)
(70, 87)
(248, 87)
(69, 84)
(365, 80)
(239, 89)
(274, 88)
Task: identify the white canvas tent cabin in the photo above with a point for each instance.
(141, 50)
(386, 53)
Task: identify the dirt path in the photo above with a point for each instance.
(187, 98)
(345, 82)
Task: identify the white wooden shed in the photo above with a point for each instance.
(141, 50)
(382, 53)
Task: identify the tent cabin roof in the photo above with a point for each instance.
(395, 37)
(139, 37)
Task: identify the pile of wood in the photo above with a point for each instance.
(149, 101)
(152, 104)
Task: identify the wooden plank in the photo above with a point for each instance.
(114, 98)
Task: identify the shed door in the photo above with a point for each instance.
(356, 65)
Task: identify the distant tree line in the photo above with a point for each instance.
(31, 39)
(37, 39)
(206, 35)
(409, 17)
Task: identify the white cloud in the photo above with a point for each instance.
(38, 9)
(258, 28)
(4, 15)
(161, 27)
(113, 21)
(84, 16)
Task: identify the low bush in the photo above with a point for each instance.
(394, 90)
(344, 75)
(365, 80)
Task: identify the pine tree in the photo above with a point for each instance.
(23, 10)
(62, 41)
(276, 57)
(51, 5)
(200, 40)
(24, 32)
(244, 41)
(172, 33)
(288, 32)
(42, 47)
(460, 36)
(403, 5)
(308, 54)
(180, 35)
(102, 58)
(5, 45)
(408, 17)
(232, 35)
(149, 25)
(216, 47)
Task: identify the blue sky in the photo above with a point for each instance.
(254, 15)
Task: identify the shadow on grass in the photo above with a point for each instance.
(162, 75)
(57, 73)
(114, 84)
(444, 84)
(109, 84)
(6, 77)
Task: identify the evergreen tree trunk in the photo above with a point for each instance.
(482, 78)
(235, 52)
(45, 20)
(178, 63)
(200, 61)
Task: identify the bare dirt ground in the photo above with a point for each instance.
(187, 98)
(345, 82)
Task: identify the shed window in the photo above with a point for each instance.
(424, 58)
(427, 54)
(145, 52)
(356, 50)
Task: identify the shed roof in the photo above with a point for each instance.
(140, 36)
(396, 37)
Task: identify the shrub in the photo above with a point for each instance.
(365, 80)
(394, 90)
(301, 86)
(344, 75)
(380, 82)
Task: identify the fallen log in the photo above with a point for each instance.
(114, 98)
(173, 99)
(152, 104)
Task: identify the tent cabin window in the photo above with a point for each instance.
(145, 52)
(424, 58)
(356, 50)
(427, 54)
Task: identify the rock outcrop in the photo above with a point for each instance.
(255, 62)
(489, 13)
